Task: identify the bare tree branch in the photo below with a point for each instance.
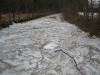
(70, 57)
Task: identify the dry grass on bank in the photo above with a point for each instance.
(5, 17)
(88, 25)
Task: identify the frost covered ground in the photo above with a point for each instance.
(29, 49)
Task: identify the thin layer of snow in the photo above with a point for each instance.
(89, 14)
(29, 49)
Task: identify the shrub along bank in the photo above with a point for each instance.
(89, 25)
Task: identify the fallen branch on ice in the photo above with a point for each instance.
(70, 57)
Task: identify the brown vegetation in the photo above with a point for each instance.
(87, 25)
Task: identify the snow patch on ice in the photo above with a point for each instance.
(50, 46)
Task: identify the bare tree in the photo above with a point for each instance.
(91, 10)
(76, 4)
(1, 9)
(26, 8)
(9, 9)
(0, 17)
(85, 8)
(99, 9)
(32, 8)
(19, 4)
(13, 9)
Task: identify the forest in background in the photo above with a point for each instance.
(28, 7)
(23, 10)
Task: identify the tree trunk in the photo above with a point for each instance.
(85, 9)
(26, 8)
(32, 8)
(9, 15)
(91, 10)
(13, 16)
(0, 18)
(76, 3)
(44, 7)
(99, 10)
(19, 12)
(18, 15)
(19, 5)
(37, 6)
(27, 12)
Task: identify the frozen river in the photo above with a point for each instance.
(30, 48)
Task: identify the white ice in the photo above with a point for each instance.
(29, 48)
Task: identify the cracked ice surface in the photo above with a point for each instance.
(28, 49)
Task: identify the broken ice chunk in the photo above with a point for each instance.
(8, 72)
(52, 72)
(87, 71)
(83, 51)
(92, 68)
(30, 66)
(96, 57)
(70, 70)
(51, 46)
(3, 56)
(15, 62)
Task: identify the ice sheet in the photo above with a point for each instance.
(29, 48)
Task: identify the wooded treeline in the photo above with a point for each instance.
(28, 6)
(44, 6)
(34, 8)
